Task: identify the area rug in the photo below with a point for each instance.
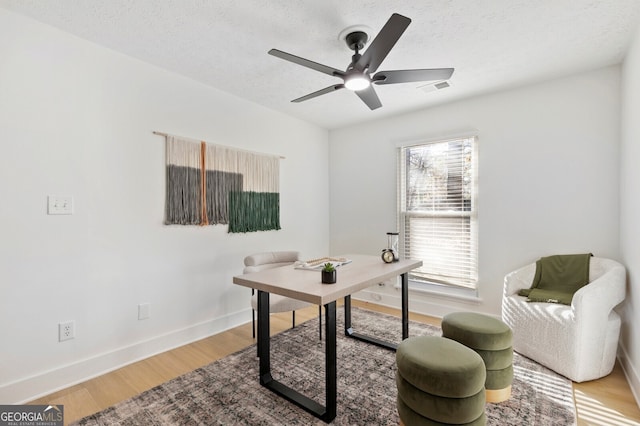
(227, 391)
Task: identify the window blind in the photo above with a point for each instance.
(437, 211)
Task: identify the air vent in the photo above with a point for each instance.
(431, 87)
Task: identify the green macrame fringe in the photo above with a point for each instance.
(254, 211)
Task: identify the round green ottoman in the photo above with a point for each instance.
(439, 381)
(408, 417)
(492, 340)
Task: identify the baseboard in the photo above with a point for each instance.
(390, 301)
(436, 306)
(630, 373)
(36, 386)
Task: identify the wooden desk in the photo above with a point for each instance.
(362, 272)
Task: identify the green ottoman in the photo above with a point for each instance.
(440, 382)
(492, 340)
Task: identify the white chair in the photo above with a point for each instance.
(578, 341)
(273, 259)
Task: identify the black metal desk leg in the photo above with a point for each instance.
(348, 328)
(327, 413)
(347, 316)
(263, 337)
(405, 305)
(331, 371)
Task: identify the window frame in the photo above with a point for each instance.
(440, 286)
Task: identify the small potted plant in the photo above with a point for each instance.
(329, 274)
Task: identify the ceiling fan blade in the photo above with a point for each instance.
(319, 92)
(383, 43)
(409, 76)
(306, 63)
(369, 97)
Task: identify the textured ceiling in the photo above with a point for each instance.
(492, 44)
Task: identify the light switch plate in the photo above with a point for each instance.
(59, 204)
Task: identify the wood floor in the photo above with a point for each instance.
(604, 402)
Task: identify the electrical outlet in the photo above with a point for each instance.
(66, 331)
(144, 311)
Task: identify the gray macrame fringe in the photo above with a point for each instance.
(183, 199)
(219, 185)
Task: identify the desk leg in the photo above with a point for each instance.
(331, 371)
(326, 413)
(348, 329)
(405, 305)
(264, 348)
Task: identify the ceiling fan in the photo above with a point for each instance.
(357, 76)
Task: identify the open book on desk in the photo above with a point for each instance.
(317, 264)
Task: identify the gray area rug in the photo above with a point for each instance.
(227, 391)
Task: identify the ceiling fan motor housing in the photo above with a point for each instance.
(356, 40)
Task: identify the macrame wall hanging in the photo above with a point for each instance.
(210, 184)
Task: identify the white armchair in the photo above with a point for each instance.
(578, 341)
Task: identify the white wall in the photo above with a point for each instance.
(548, 178)
(77, 119)
(630, 212)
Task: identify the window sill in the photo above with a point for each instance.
(445, 292)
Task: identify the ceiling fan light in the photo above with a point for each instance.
(356, 82)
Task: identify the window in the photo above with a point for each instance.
(437, 212)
